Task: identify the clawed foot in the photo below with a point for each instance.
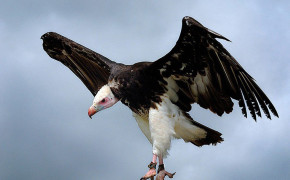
(151, 173)
(161, 170)
(162, 173)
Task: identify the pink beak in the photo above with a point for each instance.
(91, 111)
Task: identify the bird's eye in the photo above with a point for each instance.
(104, 100)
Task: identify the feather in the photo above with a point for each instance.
(198, 69)
(214, 75)
(251, 94)
(92, 68)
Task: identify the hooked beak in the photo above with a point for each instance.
(92, 111)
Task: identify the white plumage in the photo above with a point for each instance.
(165, 122)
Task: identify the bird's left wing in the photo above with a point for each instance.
(207, 74)
(92, 68)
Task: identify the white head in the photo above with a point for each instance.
(104, 99)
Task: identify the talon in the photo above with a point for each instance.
(151, 173)
(169, 174)
(162, 173)
(151, 178)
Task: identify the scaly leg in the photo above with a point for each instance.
(152, 169)
(161, 170)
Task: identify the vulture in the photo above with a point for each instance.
(198, 70)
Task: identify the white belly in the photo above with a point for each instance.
(165, 122)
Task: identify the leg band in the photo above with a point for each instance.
(152, 165)
(160, 168)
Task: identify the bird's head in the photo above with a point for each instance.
(104, 99)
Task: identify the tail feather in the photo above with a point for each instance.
(212, 137)
(196, 133)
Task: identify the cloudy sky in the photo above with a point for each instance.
(45, 132)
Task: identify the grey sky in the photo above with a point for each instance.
(45, 132)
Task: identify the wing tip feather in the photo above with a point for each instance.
(189, 21)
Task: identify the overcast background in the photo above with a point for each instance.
(45, 132)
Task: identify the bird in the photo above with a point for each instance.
(198, 70)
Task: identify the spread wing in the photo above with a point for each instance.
(92, 68)
(207, 74)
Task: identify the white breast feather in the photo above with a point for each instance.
(168, 121)
(161, 126)
(143, 123)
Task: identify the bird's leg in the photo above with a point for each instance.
(152, 169)
(161, 170)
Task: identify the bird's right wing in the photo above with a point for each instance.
(207, 74)
(92, 68)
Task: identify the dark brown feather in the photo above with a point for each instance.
(92, 68)
(198, 54)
